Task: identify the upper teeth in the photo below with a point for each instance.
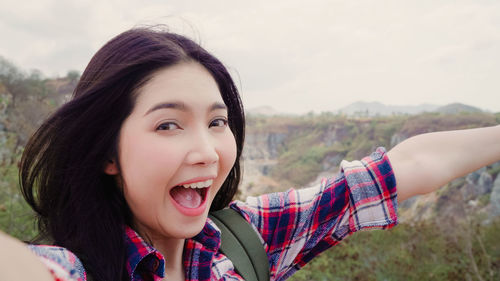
(200, 184)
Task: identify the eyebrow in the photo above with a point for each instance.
(182, 106)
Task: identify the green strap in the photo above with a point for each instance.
(241, 245)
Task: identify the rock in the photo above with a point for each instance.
(476, 184)
(472, 203)
(469, 191)
(5, 153)
(397, 138)
(474, 176)
(495, 198)
(494, 165)
(274, 142)
(484, 183)
(5, 100)
(263, 145)
(335, 134)
(408, 203)
(264, 169)
(331, 161)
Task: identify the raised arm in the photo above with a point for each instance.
(17, 262)
(426, 162)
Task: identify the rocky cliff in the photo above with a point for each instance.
(282, 152)
(285, 151)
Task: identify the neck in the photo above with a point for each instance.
(172, 249)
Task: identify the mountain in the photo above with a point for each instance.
(378, 109)
(262, 111)
(296, 151)
(454, 108)
(373, 109)
(451, 234)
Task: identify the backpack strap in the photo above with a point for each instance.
(241, 244)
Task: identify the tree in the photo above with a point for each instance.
(73, 75)
(20, 85)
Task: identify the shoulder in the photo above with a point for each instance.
(61, 262)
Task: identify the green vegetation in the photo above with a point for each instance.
(313, 138)
(427, 250)
(432, 122)
(16, 217)
(442, 248)
(438, 249)
(494, 171)
(25, 100)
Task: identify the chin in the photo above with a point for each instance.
(188, 228)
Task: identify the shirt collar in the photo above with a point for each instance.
(143, 259)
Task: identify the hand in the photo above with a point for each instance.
(18, 263)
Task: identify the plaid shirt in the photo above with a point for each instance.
(294, 226)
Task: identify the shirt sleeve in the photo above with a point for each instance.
(62, 263)
(297, 225)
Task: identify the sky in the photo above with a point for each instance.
(292, 55)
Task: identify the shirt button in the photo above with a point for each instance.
(156, 264)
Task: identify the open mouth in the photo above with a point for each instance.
(192, 195)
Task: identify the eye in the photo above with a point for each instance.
(219, 122)
(167, 126)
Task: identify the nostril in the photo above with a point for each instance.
(202, 157)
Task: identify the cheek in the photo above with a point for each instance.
(147, 166)
(227, 153)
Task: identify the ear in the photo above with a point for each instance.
(111, 168)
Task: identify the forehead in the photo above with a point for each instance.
(187, 82)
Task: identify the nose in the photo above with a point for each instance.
(203, 150)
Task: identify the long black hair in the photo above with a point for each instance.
(62, 168)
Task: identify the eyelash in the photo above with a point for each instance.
(159, 128)
(224, 122)
(162, 126)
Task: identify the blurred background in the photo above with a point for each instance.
(295, 56)
(321, 82)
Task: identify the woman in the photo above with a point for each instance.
(122, 177)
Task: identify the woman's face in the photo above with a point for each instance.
(175, 151)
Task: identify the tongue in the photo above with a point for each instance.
(186, 197)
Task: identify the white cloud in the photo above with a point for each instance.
(289, 54)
